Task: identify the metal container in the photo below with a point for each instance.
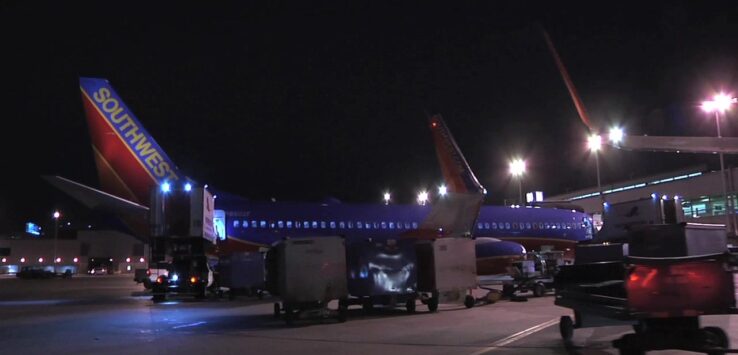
(303, 270)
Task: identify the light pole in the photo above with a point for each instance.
(594, 142)
(56, 232)
(721, 103)
(517, 169)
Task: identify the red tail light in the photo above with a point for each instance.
(684, 289)
(160, 280)
(193, 279)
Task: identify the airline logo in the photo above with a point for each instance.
(112, 109)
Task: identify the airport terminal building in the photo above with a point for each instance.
(699, 190)
(116, 251)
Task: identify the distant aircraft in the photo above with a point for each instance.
(672, 144)
(130, 164)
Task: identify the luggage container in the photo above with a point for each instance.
(447, 271)
(242, 274)
(306, 274)
(382, 273)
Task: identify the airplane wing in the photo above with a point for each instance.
(96, 199)
(710, 145)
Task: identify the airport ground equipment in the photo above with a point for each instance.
(382, 273)
(306, 274)
(534, 274)
(658, 277)
(182, 234)
(242, 274)
(447, 271)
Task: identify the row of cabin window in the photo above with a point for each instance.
(528, 225)
(324, 224)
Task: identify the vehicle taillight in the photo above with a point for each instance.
(148, 272)
(685, 289)
(193, 279)
(160, 280)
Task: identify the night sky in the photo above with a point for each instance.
(298, 101)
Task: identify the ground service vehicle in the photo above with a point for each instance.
(183, 232)
(658, 277)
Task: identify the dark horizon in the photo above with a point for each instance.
(304, 102)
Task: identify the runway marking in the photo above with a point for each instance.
(188, 325)
(517, 336)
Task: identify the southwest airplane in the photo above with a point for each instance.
(130, 164)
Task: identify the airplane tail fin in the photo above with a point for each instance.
(455, 214)
(456, 171)
(581, 110)
(129, 161)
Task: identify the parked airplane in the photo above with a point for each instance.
(130, 163)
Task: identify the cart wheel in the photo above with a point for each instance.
(277, 309)
(367, 305)
(716, 337)
(469, 301)
(539, 289)
(410, 305)
(508, 290)
(288, 314)
(566, 327)
(433, 303)
(342, 310)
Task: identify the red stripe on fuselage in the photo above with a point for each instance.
(119, 158)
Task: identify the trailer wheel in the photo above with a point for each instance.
(433, 303)
(469, 301)
(288, 314)
(566, 328)
(539, 289)
(508, 290)
(410, 305)
(716, 337)
(277, 309)
(342, 310)
(367, 305)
